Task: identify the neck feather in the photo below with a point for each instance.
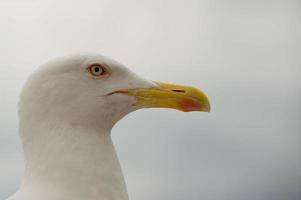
(69, 162)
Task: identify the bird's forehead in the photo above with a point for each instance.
(84, 59)
(98, 58)
(78, 63)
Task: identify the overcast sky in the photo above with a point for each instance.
(246, 55)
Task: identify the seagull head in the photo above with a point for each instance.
(96, 91)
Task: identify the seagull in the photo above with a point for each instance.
(66, 112)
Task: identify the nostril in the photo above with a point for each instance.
(181, 91)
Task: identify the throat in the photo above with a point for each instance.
(73, 163)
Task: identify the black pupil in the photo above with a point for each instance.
(96, 69)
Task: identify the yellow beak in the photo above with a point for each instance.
(165, 95)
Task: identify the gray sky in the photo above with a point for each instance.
(244, 54)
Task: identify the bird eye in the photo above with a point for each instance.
(97, 70)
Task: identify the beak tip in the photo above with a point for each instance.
(206, 108)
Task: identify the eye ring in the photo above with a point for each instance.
(97, 70)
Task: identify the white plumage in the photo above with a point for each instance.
(66, 114)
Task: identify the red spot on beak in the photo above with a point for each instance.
(189, 105)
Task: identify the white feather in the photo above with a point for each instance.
(65, 124)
